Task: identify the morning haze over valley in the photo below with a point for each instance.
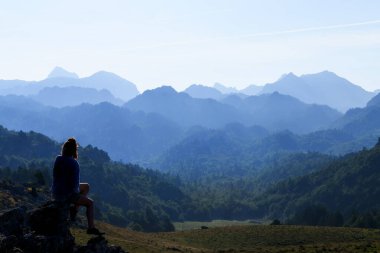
(203, 126)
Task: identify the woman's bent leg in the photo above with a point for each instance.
(84, 188)
(89, 204)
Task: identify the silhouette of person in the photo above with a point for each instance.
(67, 187)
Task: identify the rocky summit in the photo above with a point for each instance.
(45, 230)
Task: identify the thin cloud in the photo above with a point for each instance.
(265, 34)
(311, 29)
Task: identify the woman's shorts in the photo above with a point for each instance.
(74, 197)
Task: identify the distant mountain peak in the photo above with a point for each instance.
(324, 87)
(277, 96)
(61, 72)
(327, 72)
(198, 85)
(289, 75)
(164, 90)
(324, 73)
(202, 91)
(105, 74)
(224, 89)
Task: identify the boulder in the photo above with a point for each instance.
(50, 219)
(12, 221)
(45, 229)
(99, 245)
(35, 243)
(7, 243)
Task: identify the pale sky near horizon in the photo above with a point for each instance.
(182, 42)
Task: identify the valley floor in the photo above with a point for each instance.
(189, 225)
(247, 238)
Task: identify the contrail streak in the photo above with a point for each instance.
(310, 29)
(264, 34)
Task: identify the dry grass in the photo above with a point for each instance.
(256, 238)
(189, 225)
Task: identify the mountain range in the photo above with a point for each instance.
(184, 109)
(278, 112)
(224, 89)
(126, 135)
(120, 88)
(72, 96)
(272, 111)
(208, 154)
(239, 150)
(152, 123)
(324, 88)
(201, 91)
(286, 187)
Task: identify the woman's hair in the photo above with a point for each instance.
(70, 148)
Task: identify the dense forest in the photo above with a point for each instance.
(125, 194)
(297, 188)
(347, 186)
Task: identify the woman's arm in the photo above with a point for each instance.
(76, 178)
(72, 184)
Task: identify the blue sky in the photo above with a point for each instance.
(181, 42)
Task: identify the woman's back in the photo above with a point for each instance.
(65, 176)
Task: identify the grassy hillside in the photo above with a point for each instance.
(256, 238)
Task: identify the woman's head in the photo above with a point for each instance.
(70, 148)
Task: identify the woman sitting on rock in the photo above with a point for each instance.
(67, 186)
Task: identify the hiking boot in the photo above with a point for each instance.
(94, 231)
(73, 213)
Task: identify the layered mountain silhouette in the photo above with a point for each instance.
(252, 89)
(72, 96)
(149, 124)
(322, 88)
(356, 129)
(375, 101)
(275, 111)
(18, 87)
(224, 156)
(128, 136)
(61, 72)
(154, 121)
(362, 121)
(201, 91)
(278, 112)
(239, 151)
(184, 109)
(120, 88)
(224, 89)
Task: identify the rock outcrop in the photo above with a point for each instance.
(44, 230)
